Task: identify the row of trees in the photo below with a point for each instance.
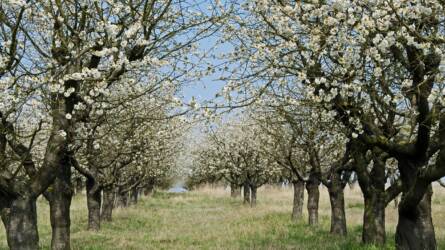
(90, 86)
(336, 86)
(269, 146)
(120, 160)
(372, 72)
(232, 154)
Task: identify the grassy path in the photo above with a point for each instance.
(208, 220)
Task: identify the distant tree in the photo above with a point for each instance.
(233, 153)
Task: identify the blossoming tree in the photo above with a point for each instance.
(67, 57)
(376, 65)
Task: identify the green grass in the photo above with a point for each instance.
(356, 205)
(209, 219)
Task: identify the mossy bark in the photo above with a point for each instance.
(20, 220)
(415, 229)
(374, 219)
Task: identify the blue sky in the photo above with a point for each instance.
(206, 88)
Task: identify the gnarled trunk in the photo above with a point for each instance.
(297, 208)
(20, 220)
(337, 200)
(108, 204)
(60, 196)
(93, 204)
(372, 184)
(253, 190)
(415, 228)
(246, 193)
(313, 198)
(374, 218)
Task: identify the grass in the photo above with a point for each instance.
(209, 219)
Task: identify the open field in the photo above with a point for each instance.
(210, 219)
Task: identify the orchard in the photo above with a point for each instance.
(109, 107)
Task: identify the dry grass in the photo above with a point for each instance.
(209, 219)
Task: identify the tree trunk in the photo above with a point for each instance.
(93, 204)
(253, 196)
(134, 196)
(337, 200)
(20, 221)
(297, 209)
(415, 228)
(246, 193)
(313, 198)
(121, 198)
(235, 191)
(108, 203)
(374, 218)
(60, 196)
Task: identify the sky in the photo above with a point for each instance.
(207, 87)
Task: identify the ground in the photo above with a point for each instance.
(209, 219)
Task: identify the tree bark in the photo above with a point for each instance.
(20, 221)
(246, 193)
(59, 197)
(121, 198)
(235, 191)
(93, 204)
(253, 196)
(108, 204)
(374, 218)
(415, 228)
(372, 183)
(313, 199)
(297, 209)
(134, 193)
(337, 200)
